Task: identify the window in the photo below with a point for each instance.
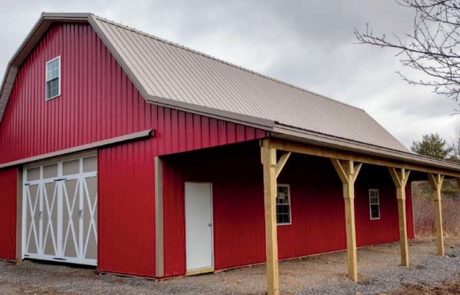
(283, 205)
(374, 204)
(53, 78)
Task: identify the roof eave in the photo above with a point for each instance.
(316, 139)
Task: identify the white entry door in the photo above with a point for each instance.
(59, 214)
(198, 224)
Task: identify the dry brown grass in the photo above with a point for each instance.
(423, 208)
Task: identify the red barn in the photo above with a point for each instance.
(139, 156)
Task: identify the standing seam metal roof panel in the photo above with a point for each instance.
(178, 74)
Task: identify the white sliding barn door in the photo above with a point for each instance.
(199, 231)
(60, 211)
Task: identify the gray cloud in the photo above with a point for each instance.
(307, 43)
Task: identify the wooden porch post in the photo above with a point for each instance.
(436, 181)
(348, 172)
(271, 170)
(268, 154)
(400, 178)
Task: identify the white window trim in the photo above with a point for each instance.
(290, 204)
(46, 78)
(370, 204)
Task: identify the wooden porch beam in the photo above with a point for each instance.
(348, 173)
(400, 178)
(281, 162)
(436, 181)
(268, 155)
(289, 146)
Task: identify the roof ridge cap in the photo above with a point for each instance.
(222, 61)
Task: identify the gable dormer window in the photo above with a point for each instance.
(53, 78)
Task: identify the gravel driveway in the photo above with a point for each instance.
(324, 274)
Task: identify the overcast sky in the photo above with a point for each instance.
(307, 43)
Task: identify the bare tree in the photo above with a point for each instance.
(432, 48)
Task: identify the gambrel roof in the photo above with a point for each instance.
(178, 77)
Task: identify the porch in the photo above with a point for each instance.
(329, 205)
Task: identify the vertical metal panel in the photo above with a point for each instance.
(159, 232)
(174, 223)
(317, 207)
(8, 199)
(127, 210)
(99, 102)
(19, 188)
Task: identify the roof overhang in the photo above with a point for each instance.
(382, 155)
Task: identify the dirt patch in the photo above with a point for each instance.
(445, 288)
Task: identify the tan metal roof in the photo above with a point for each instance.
(172, 75)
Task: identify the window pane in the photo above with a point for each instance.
(50, 171)
(283, 218)
(375, 214)
(374, 204)
(71, 167)
(282, 209)
(53, 78)
(52, 88)
(374, 200)
(52, 71)
(279, 219)
(283, 205)
(90, 164)
(33, 174)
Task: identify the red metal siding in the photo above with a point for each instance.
(316, 198)
(229, 169)
(126, 209)
(99, 102)
(373, 231)
(174, 222)
(8, 197)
